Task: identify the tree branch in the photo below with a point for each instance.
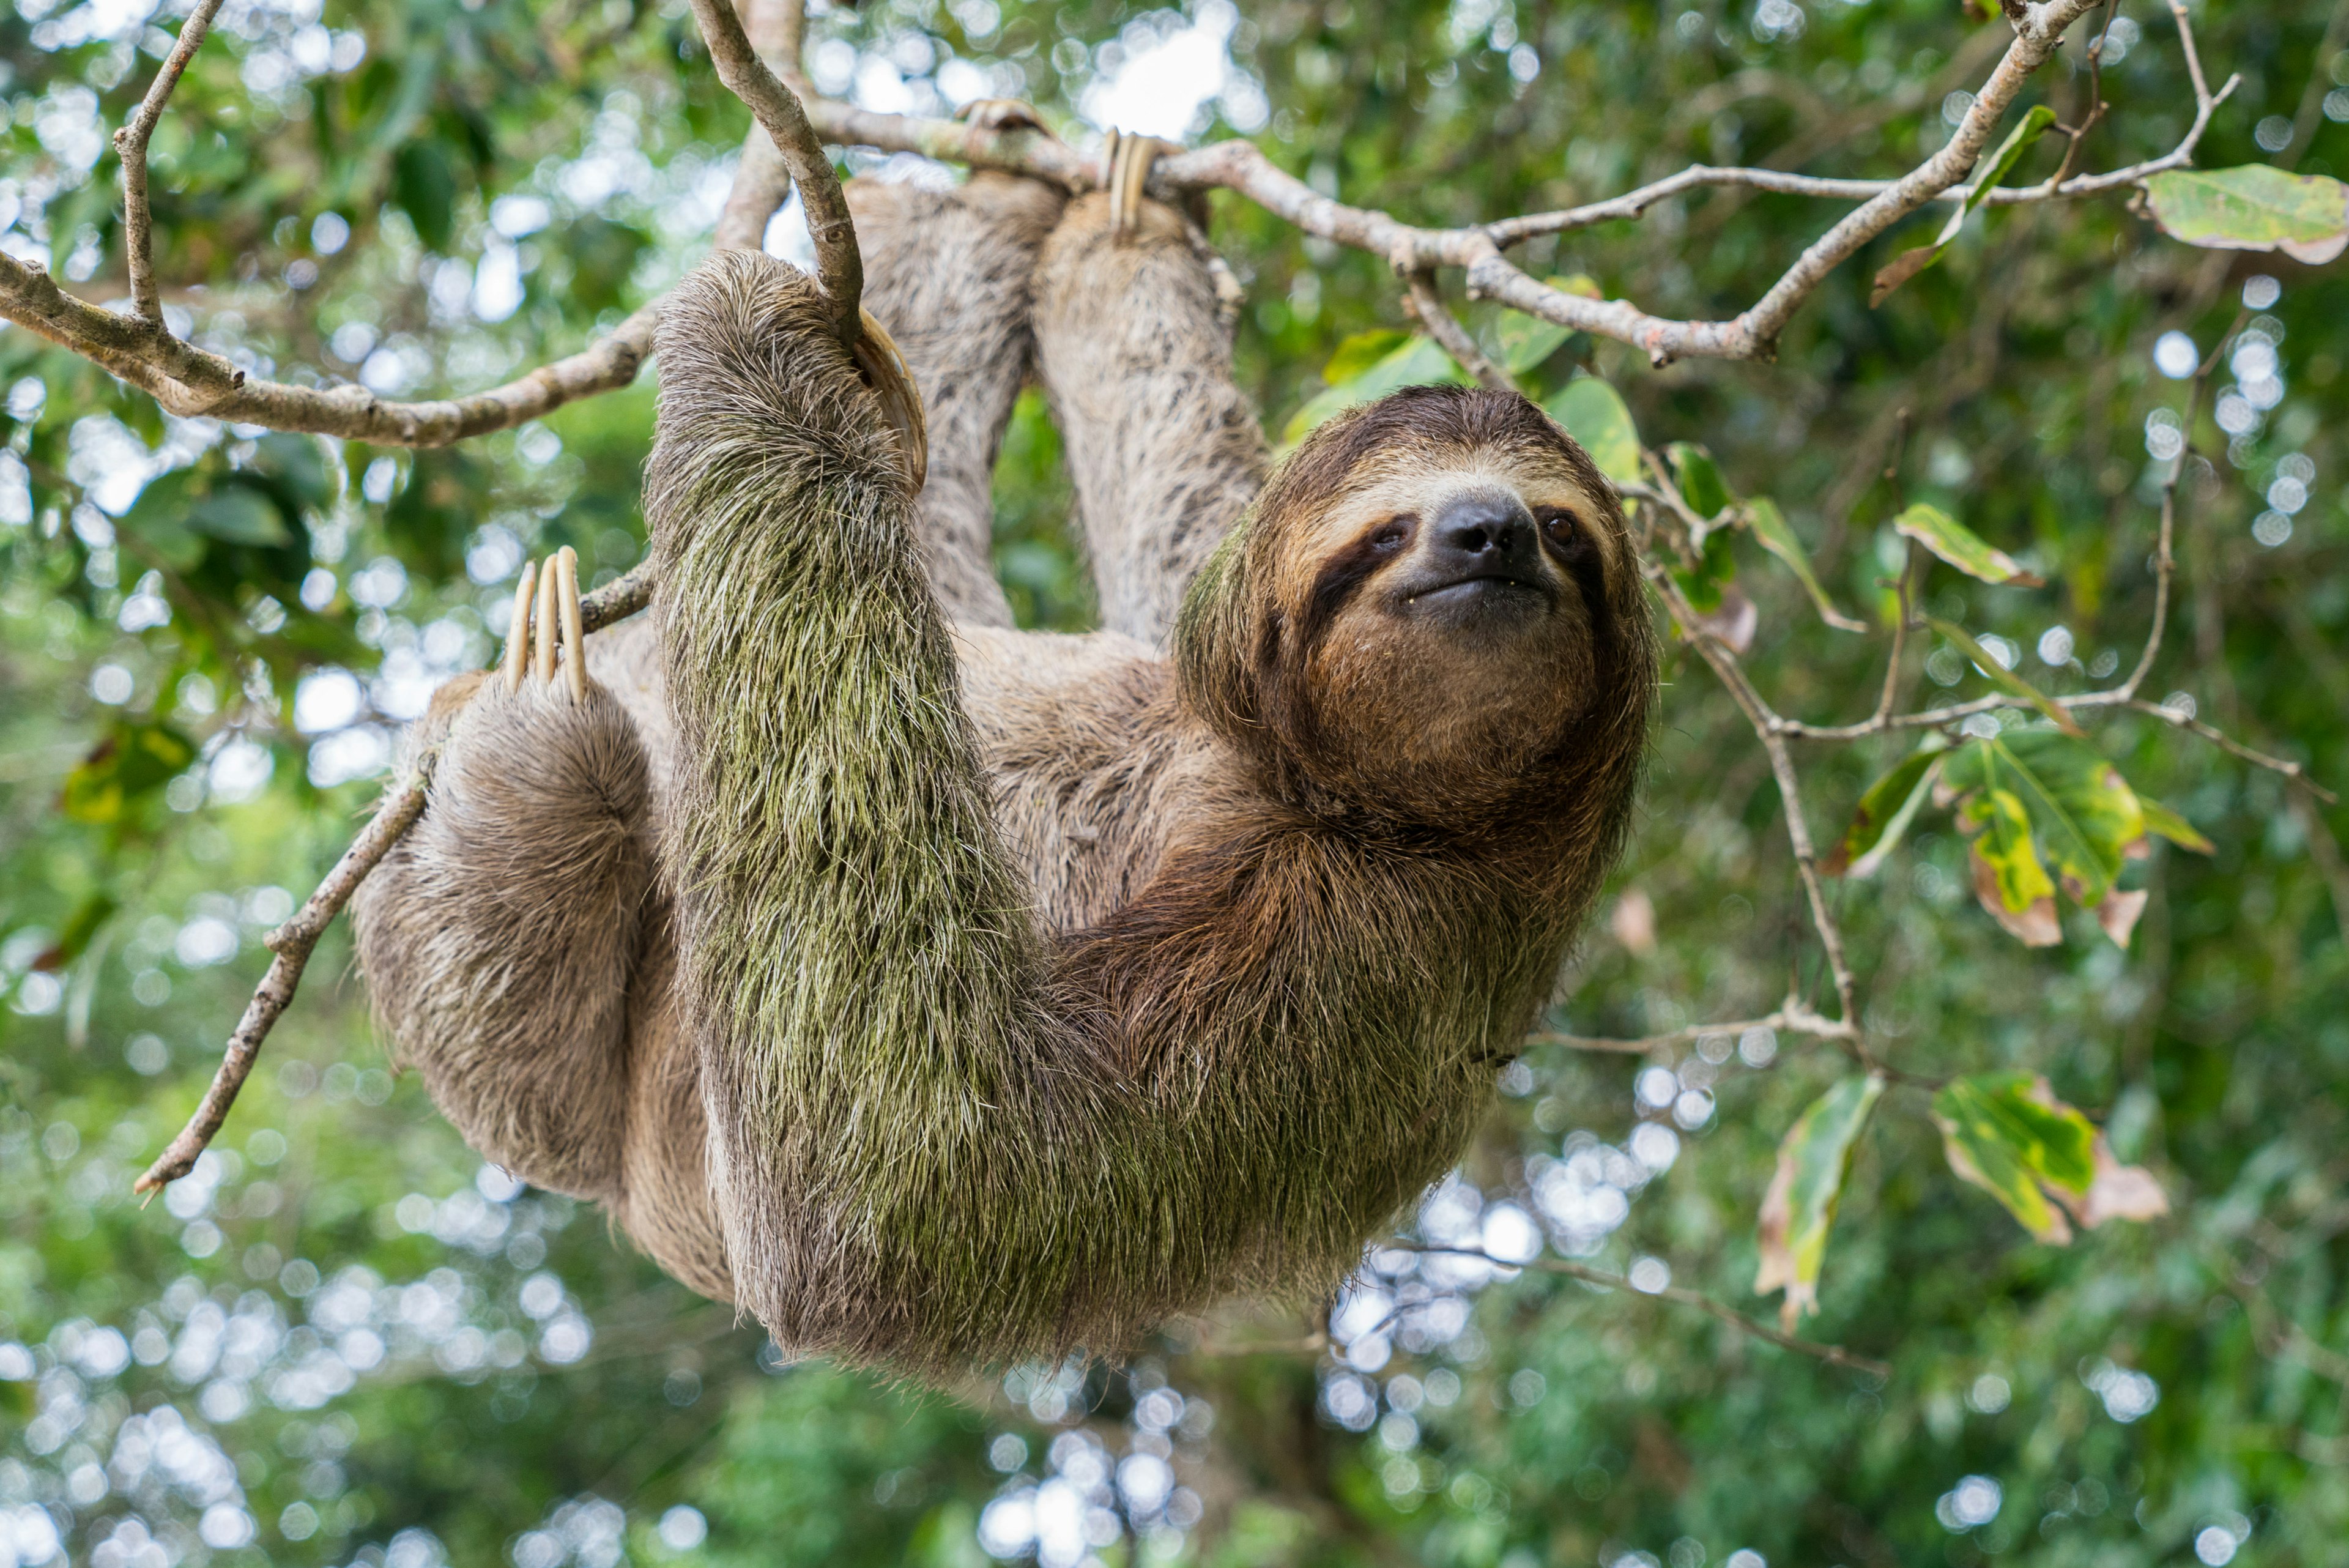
(189, 382)
(130, 145)
(1428, 305)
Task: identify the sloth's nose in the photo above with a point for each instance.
(1487, 534)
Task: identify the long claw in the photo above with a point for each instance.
(901, 403)
(518, 639)
(1128, 164)
(575, 634)
(549, 579)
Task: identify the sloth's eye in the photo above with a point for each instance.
(1391, 535)
(1557, 523)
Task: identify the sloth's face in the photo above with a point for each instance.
(1447, 607)
(1433, 606)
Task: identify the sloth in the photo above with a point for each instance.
(943, 995)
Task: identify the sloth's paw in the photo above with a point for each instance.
(1126, 159)
(1003, 114)
(531, 650)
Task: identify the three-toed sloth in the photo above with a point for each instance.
(943, 993)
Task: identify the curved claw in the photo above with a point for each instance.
(518, 636)
(1003, 114)
(546, 617)
(900, 404)
(1127, 159)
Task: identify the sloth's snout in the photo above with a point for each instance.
(1483, 533)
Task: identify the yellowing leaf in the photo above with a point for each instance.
(1884, 813)
(2008, 1134)
(1800, 1210)
(1961, 546)
(132, 763)
(1593, 413)
(2255, 207)
(1776, 536)
(2010, 882)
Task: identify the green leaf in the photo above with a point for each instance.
(1715, 569)
(2254, 207)
(1988, 664)
(2162, 822)
(425, 188)
(240, 514)
(1594, 414)
(2086, 813)
(1961, 546)
(74, 938)
(1777, 536)
(1359, 352)
(1525, 341)
(2008, 1134)
(1698, 478)
(1417, 361)
(134, 761)
(2019, 140)
(2001, 163)
(1800, 1210)
(156, 525)
(1884, 813)
(2010, 880)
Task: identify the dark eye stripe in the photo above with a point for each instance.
(1347, 570)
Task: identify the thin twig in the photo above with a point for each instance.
(1794, 1016)
(2164, 558)
(131, 147)
(2233, 747)
(1766, 725)
(1428, 305)
(292, 943)
(2094, 112)
(1832, 1355)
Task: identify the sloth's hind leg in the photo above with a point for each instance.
(498, 936)
(1136, 356)
(948, 274)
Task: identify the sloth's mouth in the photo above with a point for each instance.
(1477, 588)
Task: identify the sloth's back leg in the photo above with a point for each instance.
(949, 273)
(498, 936)
(1164, 449)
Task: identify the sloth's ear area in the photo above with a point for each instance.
(1217, 635)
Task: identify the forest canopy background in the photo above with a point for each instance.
(342, 1338)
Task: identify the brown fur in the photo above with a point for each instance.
(949, 997)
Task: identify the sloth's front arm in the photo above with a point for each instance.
(500, 935)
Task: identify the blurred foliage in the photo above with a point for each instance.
(344, 1341)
